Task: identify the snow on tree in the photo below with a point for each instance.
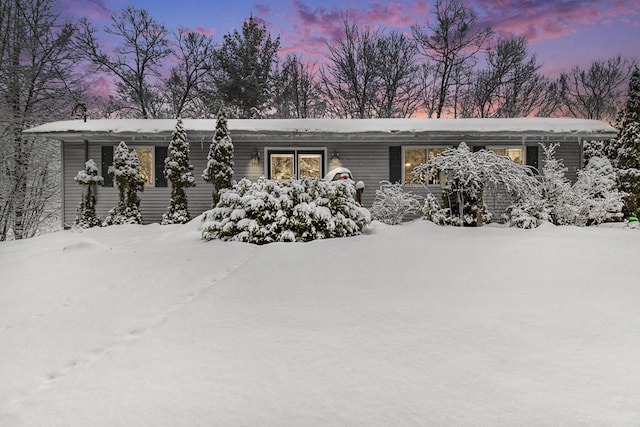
(627, 147)
(597, 191)
(129, 179)
(593, 199)
(89, 177)
(469, 174)
(295, 210)
(392, 204)
(179, 172)
(557, 193)
(219, 170)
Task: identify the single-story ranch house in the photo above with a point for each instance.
(373, 149)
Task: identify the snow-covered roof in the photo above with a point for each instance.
(413, 125)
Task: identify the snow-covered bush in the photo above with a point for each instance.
(89, 177)
(597, 192)
(179, 172)
(128, 177)
(593, 199)
(392, 204)
(219, 170)
(469, 174)
(557, 193)
(296, 210)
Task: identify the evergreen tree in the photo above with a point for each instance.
(89, 177)
(219, 170)
(178, 171)
(597, 193)
(559, 198)
(245, 75)
(127, 175)
(626, 147)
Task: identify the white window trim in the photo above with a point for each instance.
(404, 162)
(295, 151)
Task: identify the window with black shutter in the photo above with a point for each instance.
(532, 157)
(106, 161)
(161, 155)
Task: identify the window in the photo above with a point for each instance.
(515, 154)
(151, 162)
(287, 164)
(415, 156)
(145, 155)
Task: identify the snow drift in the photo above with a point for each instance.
(409, 325)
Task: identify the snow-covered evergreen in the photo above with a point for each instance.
(593, 199)
(392, 204)
(627, 147)
(296, 210)
(219, 170)
(128, 178)
(179, 172)
(597, 193)
(89, 177)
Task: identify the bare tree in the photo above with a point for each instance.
(36, 65)
(136, 61)
(349, 80)
(510, 85)
(597, 92)
(398, 76)
(449, 45)
(194, 53)
(297, 94)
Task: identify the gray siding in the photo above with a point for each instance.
(365, 154)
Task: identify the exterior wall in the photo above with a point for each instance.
(365, 154)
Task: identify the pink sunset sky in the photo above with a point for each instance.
(563, 33)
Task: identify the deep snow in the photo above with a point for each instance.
(406, 325)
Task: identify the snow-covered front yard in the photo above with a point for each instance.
(406, 325)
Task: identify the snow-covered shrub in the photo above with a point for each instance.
(392, 204)
(128, 177)
(89, 177)
(597, 192)
(219, 170)
(528, 213)
(179, 172)
(296, 210)
(593, 199)
(469, 174)
(557, 193)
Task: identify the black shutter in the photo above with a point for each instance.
(532, 157)
(106, 161)
(160, 155)
(395, 164)
(476, 148)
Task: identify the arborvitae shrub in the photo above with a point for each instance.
(179, 172)
(89, 177)
(129, 179)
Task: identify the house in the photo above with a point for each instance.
(373, 149)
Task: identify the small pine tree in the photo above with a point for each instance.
(556, 189)
(219, 170)
(89, 177)
(179, 172)
(597, 191)
(127, 174)
(627, 147)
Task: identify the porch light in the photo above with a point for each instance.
(255, 158)
(335, 160)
